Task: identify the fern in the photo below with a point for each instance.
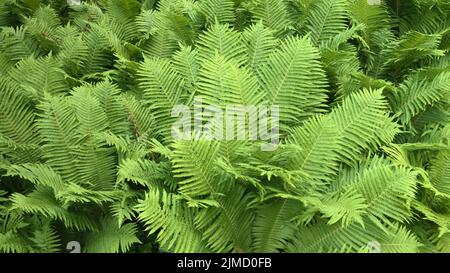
(281, 80)
(87, 94)
(111, 238)
(326, 19)
(162, 210)
(271, 13)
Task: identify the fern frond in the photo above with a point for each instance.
(274, 226)
(43, 23)
(363, 123)
(193, 162)
(187, 65)
(140, 117)
(322, 237)
(317, 155)
(271, 13)
(164, 214)
(227, 227)
(283, 81)
(111, 238)
(73, 52)
(74, 193)
(374, 17)
(347, 207)
(42, 202)
(221, 39)
(326, 19)
(124, 12)
(17, 123)
(260, 42)
(144, 172)
(418, 92)
(100, 56)
(388, 190)
(11, 242)
(162, 88)
(223, 83)
(16, 44)
(108, 94)
(38, 174)
(411, 48)
(46, 240)
(440, 173)
(217, 11)
(44, 75)
(16, 113)
(123, 209)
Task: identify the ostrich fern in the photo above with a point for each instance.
(86, 153)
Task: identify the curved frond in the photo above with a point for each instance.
(325, 19)
(164, 214)
(283, 81)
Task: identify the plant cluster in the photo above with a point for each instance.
(86, 153)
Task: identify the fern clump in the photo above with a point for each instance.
(87, 153)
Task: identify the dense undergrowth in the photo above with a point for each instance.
(86, 154)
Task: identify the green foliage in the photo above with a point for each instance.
(86, 147)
